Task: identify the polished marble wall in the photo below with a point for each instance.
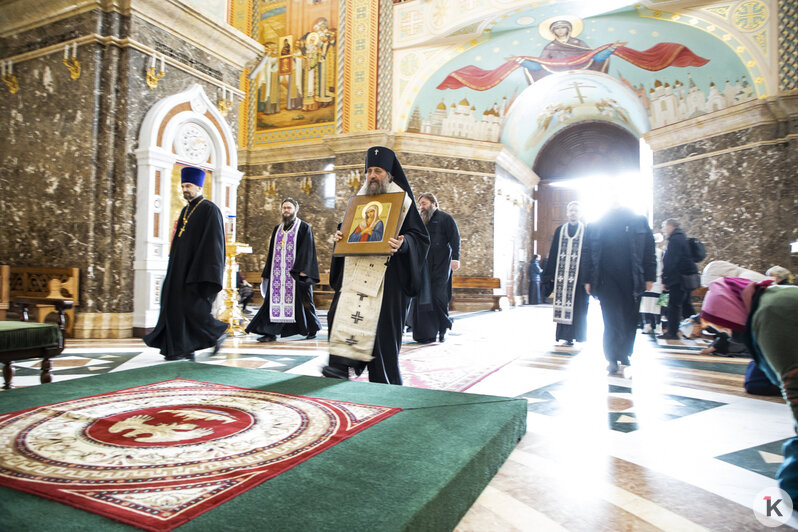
(67, 163)
(732, 182)
(465, 187)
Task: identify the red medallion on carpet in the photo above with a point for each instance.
(158, 455)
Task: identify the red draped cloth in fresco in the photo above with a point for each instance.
(657, 57)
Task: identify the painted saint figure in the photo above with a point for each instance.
(370, 229)
(565, 52)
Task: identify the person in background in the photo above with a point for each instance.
(565, 270)
(620, 265)
(780, 275)
(288, 276)
(535, 295)
(676, 262)
(193, 277)
(429, 311)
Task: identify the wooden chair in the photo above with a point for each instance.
(47, 283)
(20, 340)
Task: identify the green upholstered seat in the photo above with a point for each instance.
(16, 335)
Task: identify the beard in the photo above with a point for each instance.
(376, 187)
(426, 215)
(288, 220)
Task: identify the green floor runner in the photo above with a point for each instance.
(420, 469)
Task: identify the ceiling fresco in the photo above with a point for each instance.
(654, 69)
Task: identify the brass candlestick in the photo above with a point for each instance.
(231, 313)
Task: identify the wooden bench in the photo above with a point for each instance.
(21, 341)
(254, 279)
(323, 292)
(48, 283)
(475, 293)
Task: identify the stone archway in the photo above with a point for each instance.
(185, 128)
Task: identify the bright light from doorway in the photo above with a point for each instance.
(598, 193)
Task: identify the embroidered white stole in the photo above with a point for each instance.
(567, 273)
(282, 287)
(354, 328)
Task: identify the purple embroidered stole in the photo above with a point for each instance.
(282, 289)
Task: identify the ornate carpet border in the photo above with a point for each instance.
(158, 455)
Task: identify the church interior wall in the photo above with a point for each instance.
(736, 191)
(68, 169)
(464, 188)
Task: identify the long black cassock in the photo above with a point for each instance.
(429, 311)
(403, 278)
(193, 278)
(577, 329)
(307, 322)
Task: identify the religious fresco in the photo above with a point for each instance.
(472, 95)
(563, 99)
(295, 81)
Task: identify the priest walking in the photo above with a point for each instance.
(564, 269)
(288, 277)
(372, 292)
(193, 277)
(429, 311)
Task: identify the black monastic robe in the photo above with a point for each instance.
(429, 311)
(193, 278)
(307, 322)
(403, 278)
(577, 330)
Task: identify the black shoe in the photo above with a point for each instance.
(267, 338)
(311, 336)
(219, 342)
(179, 356)
(613, 368)
(569, 343)
(426, 340)
(334, 373)
(442, 337)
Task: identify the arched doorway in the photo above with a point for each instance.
(182, 129)
(575, 154)
(569, 126)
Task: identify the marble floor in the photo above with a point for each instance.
(674, 444)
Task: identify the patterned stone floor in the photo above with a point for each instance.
(675, 444)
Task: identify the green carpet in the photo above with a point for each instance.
(420, 469)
